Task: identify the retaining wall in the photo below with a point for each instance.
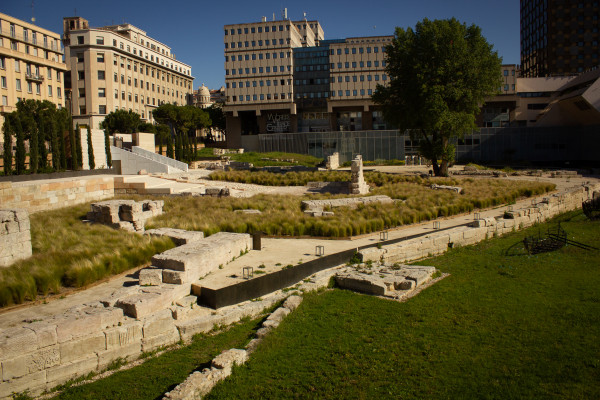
(15, 236)
(57, 193)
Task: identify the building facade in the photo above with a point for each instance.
(31, 65)
(119, 67)
(559, 37)
(282, 76)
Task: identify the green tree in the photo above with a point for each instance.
(28, 125)
(217, 117)
(56, 131)
(20, 153)
(170, 150)
(162, 134)
(8, 131)
(440, 73)
(78, 147)
(107, 149)
(91, 161)
(65, 120)
(121, 121)
(73, 145)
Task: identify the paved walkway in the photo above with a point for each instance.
(274, 251)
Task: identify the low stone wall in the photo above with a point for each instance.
(347, 202)
(45, 195)
(125, 214)
(15, 236)
(481, 229)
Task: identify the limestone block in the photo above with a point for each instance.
(123, 335)
(292, 302)
(405, 285)
(252, 345)
(229, 358)
(178, 236)
(158, 323)
(371, 254)
(164, 339)
(74, 325)
(262, 332)
(33, 383)
(30, 363)
(188, 301)
(419, 274)
(128, 352)
(64, 372)
(279, 314)
(360, 283)
(46, 333)
(110, 317)
(151, 299)
(76, 349)
(17, 341)
(150, 277)
(188, 329)
(175, 277)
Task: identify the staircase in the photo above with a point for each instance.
(131, 162)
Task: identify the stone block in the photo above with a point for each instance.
(33, 383)
(158, 323)
(30, 363)
(76, 349)
(419, 274)
(279, 314)
(361, 283)
(175, 277)
(164, 339)
(110, 317)
(150, 277)
(188, 329)
(64, 372)
(17, 341)
(188, 301)
(123, 335)
(178, 236)
(151, 299)
(292, 302)
(74, 325)
(405, 285)
(128, 352)
(371, 254)
(46, 333)
(252, 345)
(229, 358)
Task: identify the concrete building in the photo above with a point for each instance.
(559, 37)
(31, 65)
(282, 76)
(120, 67)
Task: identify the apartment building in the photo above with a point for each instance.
(282, 76)
(559, 37)
(119, 67)
(31, 65)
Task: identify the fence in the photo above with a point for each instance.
(539, 145)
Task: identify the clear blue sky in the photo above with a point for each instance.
(194, 29)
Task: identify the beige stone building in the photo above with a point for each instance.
(31, 65)
(120, 67)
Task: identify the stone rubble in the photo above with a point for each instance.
(456, 189)
(125, 214)
(15, 236)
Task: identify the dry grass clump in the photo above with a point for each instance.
(70, 253)
(282, 215)
(275, 179)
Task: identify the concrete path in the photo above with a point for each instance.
(274, 251)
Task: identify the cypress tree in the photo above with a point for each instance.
(78, 147)
(107, 149)
(73, 142)
(33, 145)
(170, 147)
(7, 155)
(54, 143)
(91, 161)
(43, 130)
(160, 145)
(20, 154)
(63, 146)
(178, 147)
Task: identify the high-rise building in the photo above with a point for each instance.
(559, 37)
(31, 65)
(120, 67)
(282, 76)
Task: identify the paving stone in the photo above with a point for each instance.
(150, 276)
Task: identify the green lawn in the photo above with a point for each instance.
(503, 325)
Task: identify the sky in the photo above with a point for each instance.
(194, 29)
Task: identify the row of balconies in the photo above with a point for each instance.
(49, 46)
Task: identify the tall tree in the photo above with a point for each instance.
(20, 153)
(107, 149)
(217, 117)
(91, 161)
(65, 120)
(56, 130)
(78, 147)
(170, 150)
(73, 145)
(8, 130)
(440, 73)
(28, 124)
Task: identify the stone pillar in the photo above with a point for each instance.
(357, 182)
(333, 161)
(15, 236)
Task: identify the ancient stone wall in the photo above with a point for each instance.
(35, 196)
(15, 236)
(125, 214)
(333, 161)
(357, 181)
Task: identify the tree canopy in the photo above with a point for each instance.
(121, 121)
(181, 119)
(440, 73)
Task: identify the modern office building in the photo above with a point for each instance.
(559, 37)
(120, 67)
(31, 65)
(282, 76)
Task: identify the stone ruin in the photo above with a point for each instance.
(315, 207)
(15, 236)
(456, 189)
(390, 281)
(357, 181)
(333, 161)
(125, 214)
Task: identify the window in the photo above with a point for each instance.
(79, 57)
(99, 40)
(2, 63)
(29, 87)
(3, 82)
(82, 110)
(101, 92)
(18, 85)
(101, 75)
(80, 41)
(58, 76)
(4, 100)
(505, 72)
(100, 57)
(101, 109)
(58, 92)
(80, 75)
(38, 88)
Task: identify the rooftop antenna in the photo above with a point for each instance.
(305, 15)
(284, 14)
(273, 16)
(32, 14)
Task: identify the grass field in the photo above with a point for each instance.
(70, 253)
(503, 325)
(275, 158)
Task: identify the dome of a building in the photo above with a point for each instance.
(203, 91)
